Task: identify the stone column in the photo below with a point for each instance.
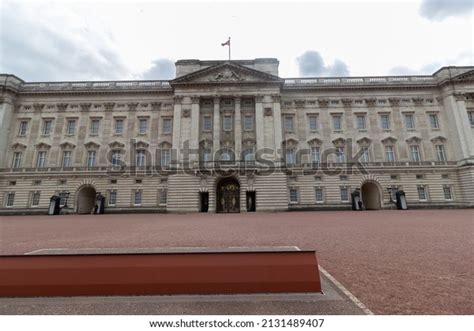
(216, 125)
(277, 126)
(238, 129)
(259, 128)
(6, 124)
(194, 143)
(176, 143)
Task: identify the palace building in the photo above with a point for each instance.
(232, 136)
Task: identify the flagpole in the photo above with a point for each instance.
(229, 48)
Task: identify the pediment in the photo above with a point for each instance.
(18, 146)
(389, 140)
(116, 144)
(466, 76)
(66, 145)
(226, 73)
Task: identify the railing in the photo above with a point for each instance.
(95, 86)
(360, 80)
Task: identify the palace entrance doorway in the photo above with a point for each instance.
(228, 196)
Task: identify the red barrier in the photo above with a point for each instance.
(159, 273)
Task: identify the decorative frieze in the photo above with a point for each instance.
(394, 101)
(61, 106)
(418, 101)
(109, 106)
(85, 106)
(132, 106)
(38, 106)
(370, 101)
(346, 101)
(323, 102)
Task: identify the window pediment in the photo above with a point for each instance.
(43, 145)
(67, 145)
(18, 146)
(389, 140)
(413, 139)
(92, 144)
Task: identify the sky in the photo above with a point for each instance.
(110, 40)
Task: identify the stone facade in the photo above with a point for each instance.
(277, 143)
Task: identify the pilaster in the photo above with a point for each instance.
(216, 125)
(237, 129)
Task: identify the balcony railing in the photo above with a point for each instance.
(95, 86)
(377, 80)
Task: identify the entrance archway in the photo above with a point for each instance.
(228, 196)
(85, 199)
(370, 196)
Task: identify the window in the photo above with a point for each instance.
(206, 155)
(163, 197)
(434, 121)
(365, 154)
(343, 177)
(71, 127)
(112, 198)
(409, 121)
(415, 153)
(141, 158)
(248, 122)
(315, 154)
(167, 125)
(23, 128)
(36, 182)
(340, 155)
(248, 154)
(360, 120)
(226, 154)
(10, 200)
(290, 156)
(227, 123)
(142, 125)
(118, 126)
(313, 122)
(47, 125)
(389, 153)
(137, 199)
(444, 176)
(66, 159)
(293, 195)
(207, 123)
(420, 177)
(393, 177)
(318, 193)
(344, 194)
(35, 198)
(440, 153)
(138, 181)
(289, 124)
(337, 122)
(470, 115)
(385, 121)
(95, 123)
(90, 161)
(116, 159)
(41, 159)
(448, 195)
(421, 193)
(165, 157)
(16, 163)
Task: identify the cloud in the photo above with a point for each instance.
(463, 59)
(39, 44)
(438, 10)
(311, 63)
(160, 69)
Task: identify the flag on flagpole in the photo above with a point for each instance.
(227, 43)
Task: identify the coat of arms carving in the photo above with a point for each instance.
(227, 76)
